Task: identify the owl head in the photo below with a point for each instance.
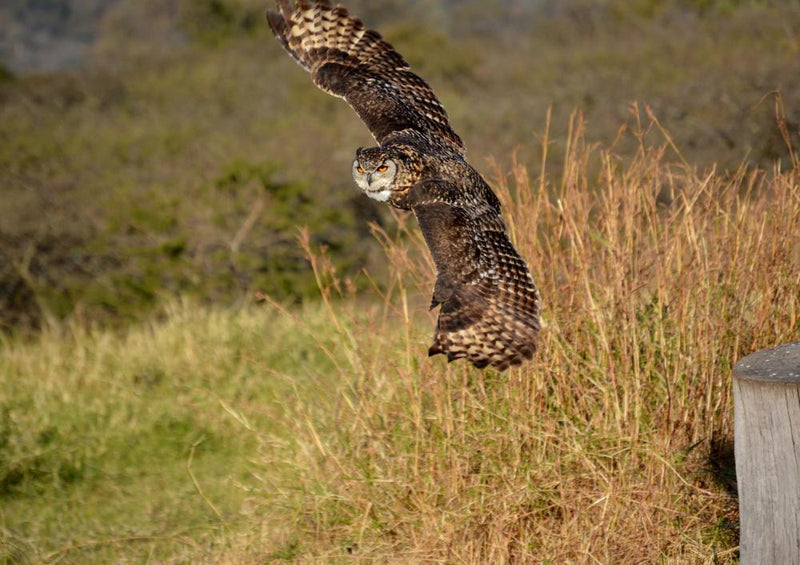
(374, 171)
(377, 171)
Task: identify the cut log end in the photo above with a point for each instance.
(779, 364)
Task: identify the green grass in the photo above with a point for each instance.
(97, 429)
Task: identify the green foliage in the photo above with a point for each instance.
(278, 263)
(662, 10)
(5, 74)
(128, 207)
(212, 22)
(33, 454)
(433, 53)
(96, 432)
(720, 6)
(142, 177)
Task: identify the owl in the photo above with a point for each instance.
(488, 302)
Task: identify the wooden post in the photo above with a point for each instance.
(766, 398)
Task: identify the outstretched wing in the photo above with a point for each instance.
(347, 60)
(489, 303)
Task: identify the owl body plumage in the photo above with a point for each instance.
(489, 304)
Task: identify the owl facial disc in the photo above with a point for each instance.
(375, 177)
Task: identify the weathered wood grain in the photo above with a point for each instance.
(766, 390)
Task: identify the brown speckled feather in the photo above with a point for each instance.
(489, 305)
(347, 60)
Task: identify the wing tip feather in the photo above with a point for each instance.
(515, 352)
(276, 23)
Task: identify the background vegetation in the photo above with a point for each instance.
(152, 411)
(181, 156)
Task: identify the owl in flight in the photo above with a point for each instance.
(489, 304)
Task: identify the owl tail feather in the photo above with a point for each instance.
(486, 332)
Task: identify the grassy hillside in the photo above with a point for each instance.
(324, 434)
(183, 157)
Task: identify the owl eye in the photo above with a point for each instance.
(382, 169)
(360, 170)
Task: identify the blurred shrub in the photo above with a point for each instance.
(146, 251)
(264, 253)
(185, 161)
(720, 6)
(33, 453)
(212, 22)
(432, 53)
(5, 74)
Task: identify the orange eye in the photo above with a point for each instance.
(382, 169)
(360, 171)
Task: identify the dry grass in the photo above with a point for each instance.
(323, 434)
(609, 448)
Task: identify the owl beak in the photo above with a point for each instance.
(369, 178)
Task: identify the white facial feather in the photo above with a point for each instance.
(376, 183)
